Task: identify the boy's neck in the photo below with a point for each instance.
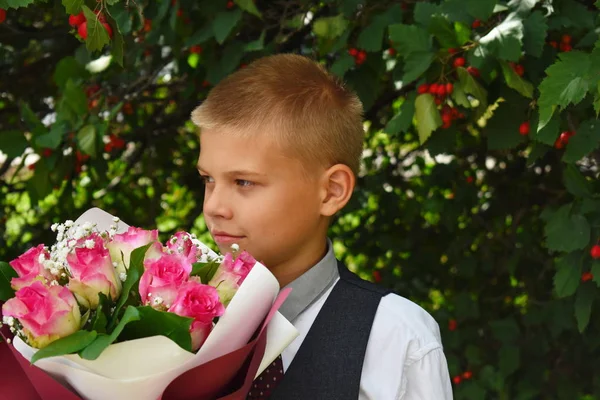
(289, 271)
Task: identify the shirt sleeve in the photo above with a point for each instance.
(427, 378)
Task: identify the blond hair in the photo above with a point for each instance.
(294, 99)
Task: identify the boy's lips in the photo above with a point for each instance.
(225, 237)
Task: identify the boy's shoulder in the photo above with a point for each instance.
(401, 314)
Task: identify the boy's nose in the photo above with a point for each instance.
(216, 204)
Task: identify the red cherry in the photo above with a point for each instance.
(441, 90)
(230, 5)
(469, 179)
(100, 16)
(452, 50)
(476, 24)
(31, 167)
(392, 51)
(566, 39)
(433, 88)
(108, 147)
(147, 25)
(2, 15)
(438, 101)
(565, 47)
(108, 29)
(377, 276)
(179, 13)
(457, 379)
(467, 375)
(473, 71)
(205, 83)
(524, 128)
(564, 137)
(353, 52)
(519, 69)
(76, 20)
(587, 276)
(128, 108)
(197, 49)
(459, 62)
(452, 325)
(424, 88)
(595, 251)
(46, 152)
(82, 30)
(449, 88)
(454, 112)
(558, 144)
(553, 43)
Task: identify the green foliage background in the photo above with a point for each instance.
(488, 229)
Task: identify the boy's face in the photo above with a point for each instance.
(263, 200)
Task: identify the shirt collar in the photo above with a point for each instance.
(309, 286)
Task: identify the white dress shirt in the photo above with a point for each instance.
(404, 359)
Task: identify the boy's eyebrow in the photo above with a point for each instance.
(235, 172)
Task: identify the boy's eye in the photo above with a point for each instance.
(243, 183)
(206, 179)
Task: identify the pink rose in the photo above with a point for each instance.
(128, 241)
(46, 313)
(29, 268)
(201, 302)
(231, 274)
(92, 272)
(162, 279)
(182, 243)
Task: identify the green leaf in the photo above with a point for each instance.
(66, 345)
(122, 17)
(86, 138)
(249, 7)
(97, 37)
(6, 4)
(68, 68)
(480, 9)
(566, 83)
(74, 98)
(330, 27)
(100, 319)
(514, 81)
(579, 15)
(6, 275)
(224, 23)
(371, 38)
(117, 45)
(134, 273)
(32, 121)
(575, 182)
(415, 64)
(459, 95)
(424, 11)
(568, 274)
(443, 31)
(205, 271)
(549, 133)
(72, 7)
(53, 138)
(583, 142)
(505, 39)
(342, 65)
(509, 360)
(403, 118)
(13, 143)
(153, 322)
(427, 115)
(102, 341)
(409, 39)
(595, 270)
(200, 36)
(471, 86)
(40, 186)
(583, 305)
(535, 31)
(257, 44)
(562, 221)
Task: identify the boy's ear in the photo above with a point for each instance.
(338, 185)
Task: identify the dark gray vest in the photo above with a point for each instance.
(329, 363)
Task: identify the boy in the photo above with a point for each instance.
(280, 146)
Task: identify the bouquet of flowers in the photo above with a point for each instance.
(110, 312)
